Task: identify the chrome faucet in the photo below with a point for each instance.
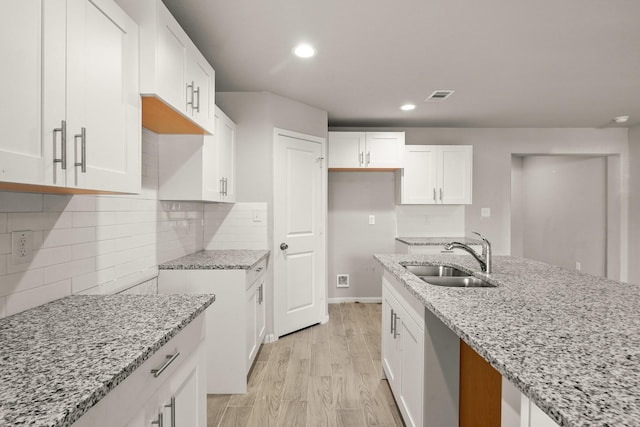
(484, 259)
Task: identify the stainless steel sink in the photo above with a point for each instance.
(458, 282)
(434, 270)
(442, 275)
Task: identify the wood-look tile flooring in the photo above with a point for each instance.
(325, 375)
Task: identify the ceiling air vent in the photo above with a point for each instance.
(439, 95)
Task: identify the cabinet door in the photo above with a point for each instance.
(251, 304)
(226, 143)
(454, 174)
(201, 79)
(103, 103)
(32, 36)
(184, 403)
(261, 314)
(411, 369)
(419, 177)
(390, 343)
(384, 150)
(171, 61)
(346, 149)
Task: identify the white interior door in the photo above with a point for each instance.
(299, 219)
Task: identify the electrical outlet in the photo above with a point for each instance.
(372, 219)
(342, 281)
(21, 247)
(578, 266)
(485, 212)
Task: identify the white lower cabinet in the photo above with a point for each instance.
(423, 381)
(170, 386)
(235, 323)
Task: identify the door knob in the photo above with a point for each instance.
(284, 246)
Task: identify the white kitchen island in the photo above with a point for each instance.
(568, 341)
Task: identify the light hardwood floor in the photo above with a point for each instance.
(325, 375)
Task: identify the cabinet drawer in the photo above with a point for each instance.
(255, 272)
(122, 403)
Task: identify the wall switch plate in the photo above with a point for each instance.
(256, 215)
(485, 212)
(342, 281)
(21, 247)
(578, 266)
(372, 219)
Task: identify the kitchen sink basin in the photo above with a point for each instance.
(442, 275)
(434, 270)
(457, 281)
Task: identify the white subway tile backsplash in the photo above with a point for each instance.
(68, 270)
(70, 236)
(19, 282)
(66, 203)
(5, 243)
(232, 226)
(20, 202)
(3, 222)
(21, 301)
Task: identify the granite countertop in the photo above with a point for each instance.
(437, 241)
(59, 359)
(568, 340)
(227, 259)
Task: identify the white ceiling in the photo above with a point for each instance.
(512, 63)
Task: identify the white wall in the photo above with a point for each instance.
(256, 114)
(93, 244)
(564, 210)
(492, 164)
(634, 205)
(353, 196)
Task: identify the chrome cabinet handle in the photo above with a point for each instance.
(190, 102)
(260, 296)
(258, 270)
(441, 194)
(361, 158)
(172, 405)
(226, 186)
(368, 158)
(222, 186)
(158, 422)
(83, 149)
(63, 144)
(434, 194)
(170, 358)
(391, 317)
(197, 92)
(395, 326)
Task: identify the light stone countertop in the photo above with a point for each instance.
(225, 259)
(437, 241)
(59, 359)
(569, 341)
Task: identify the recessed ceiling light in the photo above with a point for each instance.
(304, 50)
(621, 119)
(408, 107)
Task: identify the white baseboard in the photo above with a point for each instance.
(324, 320)
(269, 338)
(365, 300)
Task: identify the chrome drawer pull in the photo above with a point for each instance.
(172, 405)
(157, 372)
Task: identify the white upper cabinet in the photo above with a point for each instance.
(366, 150)
(74, 114)
(176, 81)
(436, 174)
(199, 167)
